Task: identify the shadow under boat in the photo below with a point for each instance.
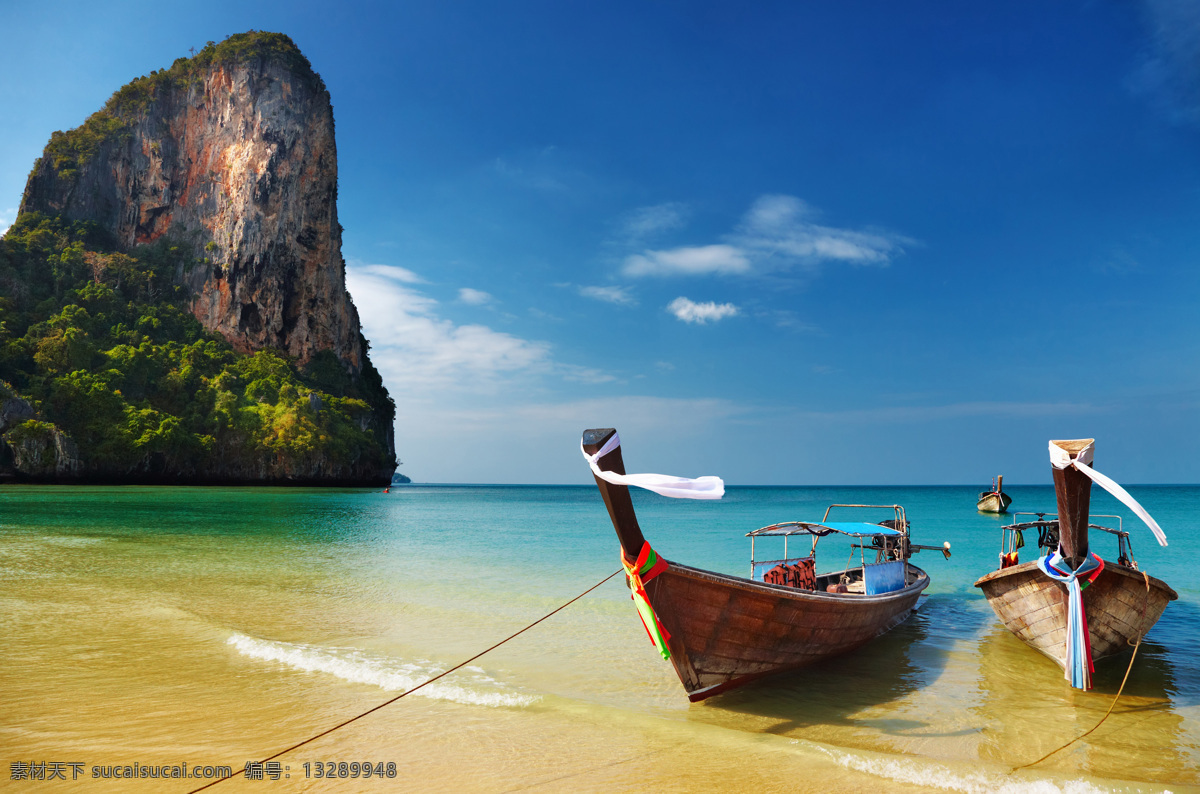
(835, 692)
(722, 631)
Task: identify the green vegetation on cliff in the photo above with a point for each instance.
(102, 346)
(68, 150)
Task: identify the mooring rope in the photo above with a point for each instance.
(1141, 633)
(414, 689)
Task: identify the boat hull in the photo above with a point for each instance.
(726, 630)
(994, 503)
(1120, 608)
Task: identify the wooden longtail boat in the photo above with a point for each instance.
(722, 631)
(995, 500)
(1120, 603)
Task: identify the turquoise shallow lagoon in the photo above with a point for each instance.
(218, 626)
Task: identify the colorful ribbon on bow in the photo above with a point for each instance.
(1079, 665)
(648, 566)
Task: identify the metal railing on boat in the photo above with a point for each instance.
(1010, 532)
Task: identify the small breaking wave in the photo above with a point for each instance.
(474, 687)
(940, 776)
(71, 540)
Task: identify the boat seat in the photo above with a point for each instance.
(802, 574)
(859, 587)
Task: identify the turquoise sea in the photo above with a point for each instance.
(150, 627)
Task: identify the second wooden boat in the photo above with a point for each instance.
(1115, 603)
(721, 631)
(995, 500)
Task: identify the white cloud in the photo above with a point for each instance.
(701, 313)
(618, 295)
(646, 222)
(474, 297)
(688, 261)
(781, 228)
(418, 352)
(393, 272)
(778, 232)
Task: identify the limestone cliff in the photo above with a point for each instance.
(208, 188)
(231, 154)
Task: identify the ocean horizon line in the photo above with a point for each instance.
(751, 485)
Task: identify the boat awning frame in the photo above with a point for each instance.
(1048, 519)
(854, 529)
(851, 529)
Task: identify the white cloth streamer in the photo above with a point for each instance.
(663, 484)
(1061, 459)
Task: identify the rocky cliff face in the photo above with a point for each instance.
(234, 160)
(227, 162)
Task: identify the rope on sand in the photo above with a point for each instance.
(1119, 690)
(414, 689)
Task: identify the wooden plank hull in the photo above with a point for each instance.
(993, 503)
(1118, 605)
(726, 630)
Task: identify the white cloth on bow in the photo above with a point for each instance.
(1061, 459)
(663, 484)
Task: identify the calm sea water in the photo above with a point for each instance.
(157, 626)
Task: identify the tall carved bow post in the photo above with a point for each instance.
(614, 485)
(1072, 563)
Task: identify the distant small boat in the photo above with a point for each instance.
(995, 500)
(1070, 604)
(722, 631)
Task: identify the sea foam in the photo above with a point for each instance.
(941, 776)
(473, 687)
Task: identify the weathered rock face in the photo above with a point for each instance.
(43, 452)
(13, 410)
(225, 166)
(237, 164)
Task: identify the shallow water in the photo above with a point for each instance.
(215, 626)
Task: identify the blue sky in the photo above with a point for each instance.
(782, 243)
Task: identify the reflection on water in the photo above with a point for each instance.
(1029, 709)
(889, 696)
